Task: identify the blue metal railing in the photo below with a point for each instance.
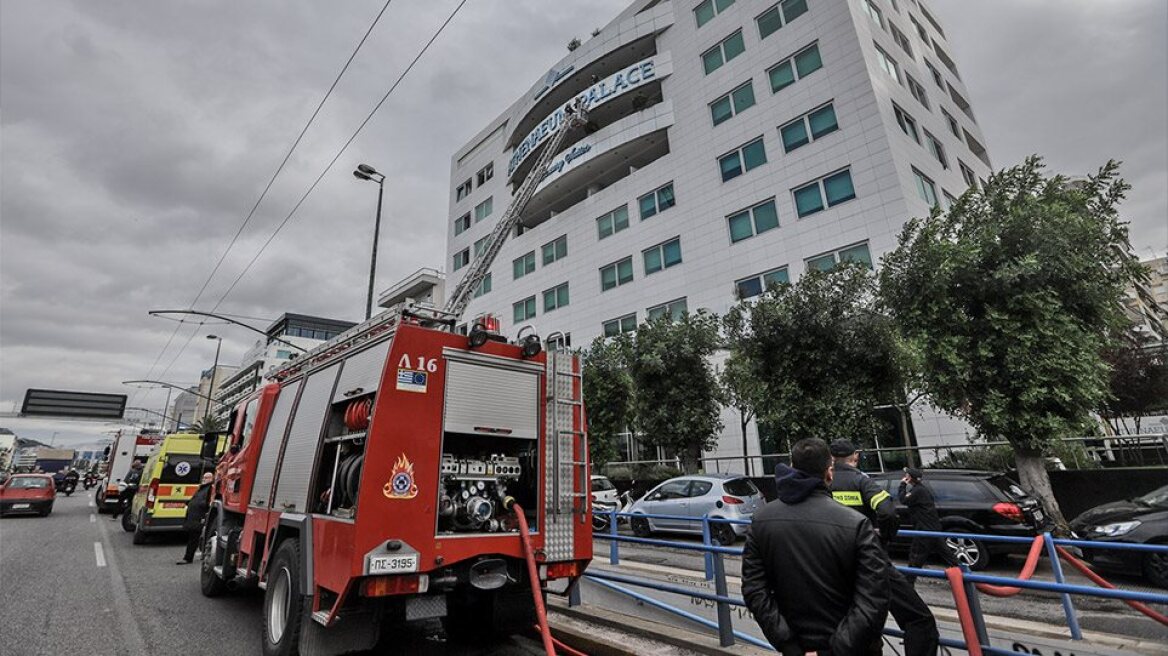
(715, 571)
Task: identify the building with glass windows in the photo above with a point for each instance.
(730, 144)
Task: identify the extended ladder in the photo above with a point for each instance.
(567, 478)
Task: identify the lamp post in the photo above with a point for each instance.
(214, 370)
(366, 172)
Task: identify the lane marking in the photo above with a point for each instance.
(91, 504)
(127, 620)
(92, 518)
(99, 554)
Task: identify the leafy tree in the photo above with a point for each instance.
(1137, 385)
(208, 424)
(608, 397)
(821, 353)
(1009, 298)
(677, 403)
(742, 391)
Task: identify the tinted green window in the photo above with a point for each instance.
(807, 199)
(722, 5)
(731, 166)
(754, 154)
(704, 12)
(712, 60)
(607, 278)
(822, 263)
(808, 61)
(740, 227)
(765, 217)
(749, 288)
(794, 135)
(822, 121)
(624, 271)
(648, 206)
(671, 252)
(652, 260)
(743, 97)
(523, 265)
(523, 310)
(769, 22)
(793, 9)
(857, 253)
(665, 198)
(720, 110)
(775, 278)
(555, 250)
(555, 298)
(734, 46)
(838, 188)
(782, 75)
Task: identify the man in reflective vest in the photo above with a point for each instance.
(852, 488)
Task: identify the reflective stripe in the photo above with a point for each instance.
(849, 498)
(879, 499)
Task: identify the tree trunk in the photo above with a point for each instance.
(745, 451)
(691, 459)
(1036, 480)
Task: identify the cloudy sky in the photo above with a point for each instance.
(135, 137)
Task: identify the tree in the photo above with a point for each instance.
(678, 399)
(742, 391)
(821, 353)
(608, 397)
(208, 424)
(1137, 383)
(1010, 298)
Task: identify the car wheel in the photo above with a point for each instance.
(283, 602)
(723, 533)
(140, 535)
(99, 501)
(599, 522)
(210, 582)
(969, 552)
(640, 527)
(127, 522)
(1156, 569)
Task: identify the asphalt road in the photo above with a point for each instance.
(72, 582)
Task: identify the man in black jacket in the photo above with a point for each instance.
(922, 512)
(126, 495)
(852, 488)
(197, 508)
(813, 572)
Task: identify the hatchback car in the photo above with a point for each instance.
(1142, 520)
(968, 501)
(28, 494)
(686, 499)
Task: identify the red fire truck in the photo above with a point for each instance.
(403, 471)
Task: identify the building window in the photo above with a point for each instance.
(727, 49)
(613, 222)
(749, 156)
(756, 285)
(555, 298)
(900, 39)
(794, 68)
(828, 191)
(946, 59)
(485, 173)
(522, 265)
(616, 274)
(523, 310)
(726, 107)
(953, 126)
(461, 258)
(828, 261)
(917, 91)
(962, 103)
(754, 221)
(937, 79)
(779, 15)
(706, 11)
(967, 174)
(656, 201)
(625, 324)
(907, 123)
(977, 149)
(480, 245)
(873, 12)
(674, 309)
(483, 209)
(921, 32)
(809, 127)
(556, 249)
(559, 342)
(462, 190)
(662, 256)
(483, 287)
(926, 188)
(888, 64)
(950, 201)
(284, 354)
(462, 224)
(932, 21)
(937, 149)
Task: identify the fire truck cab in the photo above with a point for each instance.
(376, 480)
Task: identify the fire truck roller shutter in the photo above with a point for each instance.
(273, 439)
(503, 400)
(362, 372)
(303, 439)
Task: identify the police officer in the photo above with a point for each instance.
(852, 488)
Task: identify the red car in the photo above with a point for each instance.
(28, 493)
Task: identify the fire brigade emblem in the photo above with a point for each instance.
(401, 480)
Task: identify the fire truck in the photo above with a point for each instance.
(403, 471)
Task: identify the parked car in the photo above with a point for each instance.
(989, 503)
(604, 494)
(29, 494)
(1142, 520)
(724, 496)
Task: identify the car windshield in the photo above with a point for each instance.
(1007, 485)
(26, 483)
(602, 485)
(1157, 498)
(740, 487)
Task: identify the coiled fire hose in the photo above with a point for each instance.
(549, 642)
(964, 614)
(1025, 574)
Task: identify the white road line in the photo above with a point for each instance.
(92, 518)
(91, 504)
(99, 554)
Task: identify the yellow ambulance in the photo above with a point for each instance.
(169, 479)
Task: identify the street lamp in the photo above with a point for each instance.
(366, 172)
(214, 370)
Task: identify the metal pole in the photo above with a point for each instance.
(709, 556)
(373, 257)
(725, 624)
(211, 389)
(165, 409)
(1068, 605)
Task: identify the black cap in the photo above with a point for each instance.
(914, 473)
(842, 448)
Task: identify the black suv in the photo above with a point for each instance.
(968, 501)
(1142, 520)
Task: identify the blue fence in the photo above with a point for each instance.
(714, 555)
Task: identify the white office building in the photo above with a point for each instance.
(730, 143)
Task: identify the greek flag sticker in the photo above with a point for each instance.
(409, 380)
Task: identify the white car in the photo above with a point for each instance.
(686, 499)
(604, 494)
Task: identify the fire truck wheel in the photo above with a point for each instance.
(139, 535)
(210, 582)
(283, 602)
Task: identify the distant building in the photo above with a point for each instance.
(183, 410)
(210, 384)
(1147, 304)
(7, 448)
(423, 287)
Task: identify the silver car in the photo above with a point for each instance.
(726, 496)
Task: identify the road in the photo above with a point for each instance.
(73, 581)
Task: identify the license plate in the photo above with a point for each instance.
(174, 504)
(393, 564)
(20, 506)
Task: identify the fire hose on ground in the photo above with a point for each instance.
(549, 642)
